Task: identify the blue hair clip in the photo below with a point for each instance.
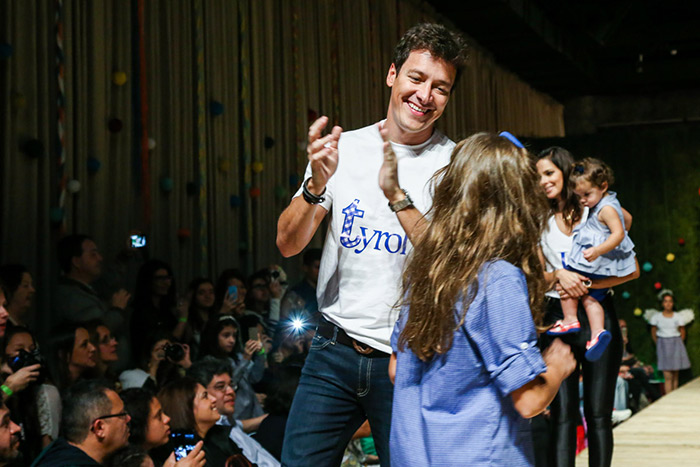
(578, 169)
(512, 139)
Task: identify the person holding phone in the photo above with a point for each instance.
(221, 339)
(149, 430)
(193, 416)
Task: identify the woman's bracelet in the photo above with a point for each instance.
(6, 390)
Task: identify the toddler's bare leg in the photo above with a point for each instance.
(595, 313)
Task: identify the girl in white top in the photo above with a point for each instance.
(668, 332)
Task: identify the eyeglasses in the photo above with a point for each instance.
(116, 415)
(222, 387)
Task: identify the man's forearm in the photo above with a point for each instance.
(297, 226)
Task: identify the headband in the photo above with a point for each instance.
(512, 139)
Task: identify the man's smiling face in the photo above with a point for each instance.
(420, 91)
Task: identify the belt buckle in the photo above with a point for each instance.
(361, 348)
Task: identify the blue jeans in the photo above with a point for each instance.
(338, 390)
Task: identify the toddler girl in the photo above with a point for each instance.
(600, 248)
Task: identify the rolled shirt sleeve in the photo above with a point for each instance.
(503, 331)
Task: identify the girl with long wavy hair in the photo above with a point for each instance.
(468, 370)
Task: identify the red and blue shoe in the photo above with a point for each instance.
(596, 346)
(559, 328)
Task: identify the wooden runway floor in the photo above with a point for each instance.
(666, 433)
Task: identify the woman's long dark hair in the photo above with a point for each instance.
(177, 399)
(564, 161)
(60, 350)
(210, 337)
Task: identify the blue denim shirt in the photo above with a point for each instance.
(456, 409)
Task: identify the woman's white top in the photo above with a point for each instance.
(554, 242)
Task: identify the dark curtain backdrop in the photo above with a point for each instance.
(657, 179)
(228, 88)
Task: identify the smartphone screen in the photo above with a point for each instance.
(138, 241)
(183, 443)
(253, 333)
(233, 292)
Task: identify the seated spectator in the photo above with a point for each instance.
(94, 426)
(70, 356)
(150, 427)
(300, 300)
(9, 437)
(35, 404)
(220, 340)
(20, 291)
(105, 349)
(270, 433)
(226, 304)
(76, 301)
(130, 456)
(191, 408)
(201, 303)
(266, 294)
(155, 364)
(636, 374)
(215, 375)
(156, 308)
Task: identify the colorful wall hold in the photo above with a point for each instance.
(657, 285)
(93, 165)
(119, 78)
(33, 148)
(258, 167)
(56, 215)
(647, 266)
(255, 192)
(183, 234)
(224, 165)
(115, 125)
(626, 295)
(216, 108)
(73, 187)
(638, 312)
(670, 257)
(167, 184)
(681, 241)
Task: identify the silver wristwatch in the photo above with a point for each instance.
(403, 204)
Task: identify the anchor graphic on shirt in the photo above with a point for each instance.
(393, 243)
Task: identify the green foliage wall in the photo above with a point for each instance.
(657, 172)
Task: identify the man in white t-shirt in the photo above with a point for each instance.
(354, 176)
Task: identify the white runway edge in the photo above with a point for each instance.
(666, 433)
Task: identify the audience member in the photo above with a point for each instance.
(265, 294)
(191, 408)
(220, 339)
(201, 303)
(156, 307)
(300, 300)
(70, 356)
(636, 374)
(159, 362)
(20, 291)
(225, 303)
(105, 349)
(9, 437)
(76, 301)
(94, 426)
(35, 404)
(215, 375)
(270, 433)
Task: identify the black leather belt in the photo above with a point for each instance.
(327, 329)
